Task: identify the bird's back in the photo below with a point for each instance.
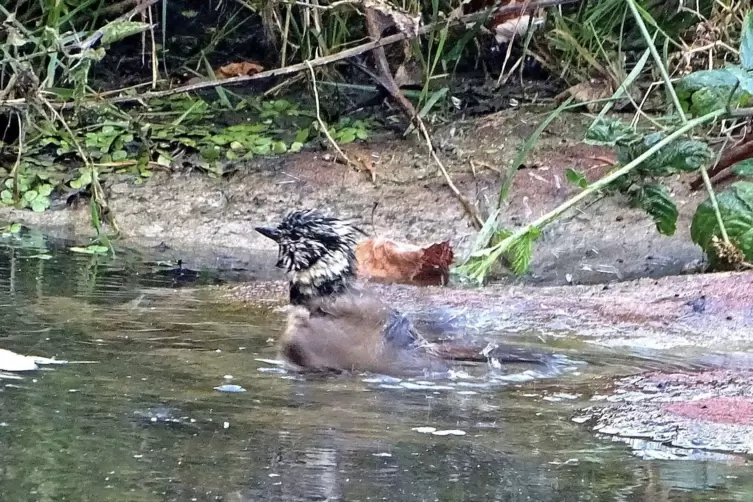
(350, 331)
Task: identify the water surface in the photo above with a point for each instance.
(136, 416)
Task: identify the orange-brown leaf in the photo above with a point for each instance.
(244, 68)
(390, 261)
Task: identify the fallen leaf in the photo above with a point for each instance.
(589, 92)
(390, 261)
(244, 68)
(505, 29)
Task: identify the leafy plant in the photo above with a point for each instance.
(641, 185)
(736, 208)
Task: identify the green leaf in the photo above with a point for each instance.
(347, 135)
(279, 147)
(164, 160)
(520, 253)
(118, 30)
(6, 196)
(90, 249)
(262, 149)
(40, 204)
(746, 42)
(704, 91)
(609, 132)
(44, 190)
(84, 180)
(655, 200)
(302, 135)
(736, 209)
(684, 155)
(744, 168)
(577, 178)
(118, 155)
(30, 195)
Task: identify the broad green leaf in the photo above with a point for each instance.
(608, 132)
(577, 178)
(40, 204)
(746, 42)
(736, 209)
(655, 200)
(347, 135)
(30, 195)
(744, 168)
(279, 147)
(302, 135)
(295, 147)
(44, 190)
(684, 155)
(707, 90)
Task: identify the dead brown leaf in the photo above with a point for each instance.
(389, 261)
(587, 92)
(244, 68)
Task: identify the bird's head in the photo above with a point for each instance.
(316, 250)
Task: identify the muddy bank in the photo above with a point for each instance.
(213, 218)
(699, 314)
(711, 410)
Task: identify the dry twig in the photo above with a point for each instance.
(322, 125)
(387, 81)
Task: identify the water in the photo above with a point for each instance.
(138, 417)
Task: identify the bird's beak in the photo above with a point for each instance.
(270, 233)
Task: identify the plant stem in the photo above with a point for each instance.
(505, 244)
(671, 90)
(657, 58)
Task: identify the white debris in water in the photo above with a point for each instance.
(274, 362)
(272, 370)
(225, 425)
(467, 392)
(435, 432)
(459, 375)
(381, 379)
(10, 361)
(228, 377)
(383, 454)
(561, 396)
(229, 388)
(582, 419)
(449, 432)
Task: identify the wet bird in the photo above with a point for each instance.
(334, 324)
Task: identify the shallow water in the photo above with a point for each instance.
(135, 416)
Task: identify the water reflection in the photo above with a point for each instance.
(144, 422)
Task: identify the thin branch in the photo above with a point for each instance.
(322, 125)
(387, 81)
